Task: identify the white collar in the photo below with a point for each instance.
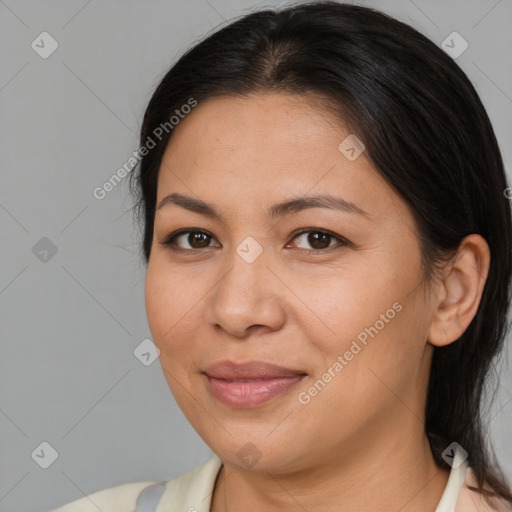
(193, 490)
(454, 485)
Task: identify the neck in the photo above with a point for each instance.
(398, 475)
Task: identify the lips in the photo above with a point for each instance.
(253, 370)
(246, 385)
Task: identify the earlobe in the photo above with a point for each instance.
(460, 291)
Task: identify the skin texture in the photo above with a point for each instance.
(359, 444)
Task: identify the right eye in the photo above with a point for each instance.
(197, 238)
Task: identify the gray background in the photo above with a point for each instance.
(70, 322)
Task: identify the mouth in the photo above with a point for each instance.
(246, 385)
(247, 393)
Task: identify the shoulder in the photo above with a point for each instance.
(472, 501)
(191, 488)
(120, 498)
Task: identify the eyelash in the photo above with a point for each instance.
(170, 241)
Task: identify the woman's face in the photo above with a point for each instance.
(341, 306)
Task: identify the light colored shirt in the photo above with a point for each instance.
(192, 492)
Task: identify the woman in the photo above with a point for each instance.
(328, 247)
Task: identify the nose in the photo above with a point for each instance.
(247, 296)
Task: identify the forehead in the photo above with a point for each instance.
(268, 146)
(276, 119)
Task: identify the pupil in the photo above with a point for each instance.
(195, 237)
(313, 240)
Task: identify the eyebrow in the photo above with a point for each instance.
(281, 209)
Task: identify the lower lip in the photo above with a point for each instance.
(252, 393)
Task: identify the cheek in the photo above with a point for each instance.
(169, 294)
(168, 307)
(157, 298)
(168, 302)
(383, 355)
(342, 303)
(375, 319)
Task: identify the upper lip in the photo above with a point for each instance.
(230, 370)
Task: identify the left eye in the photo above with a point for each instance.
(199, 239)
(319, 240)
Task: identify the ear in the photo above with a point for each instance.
(459, 291)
